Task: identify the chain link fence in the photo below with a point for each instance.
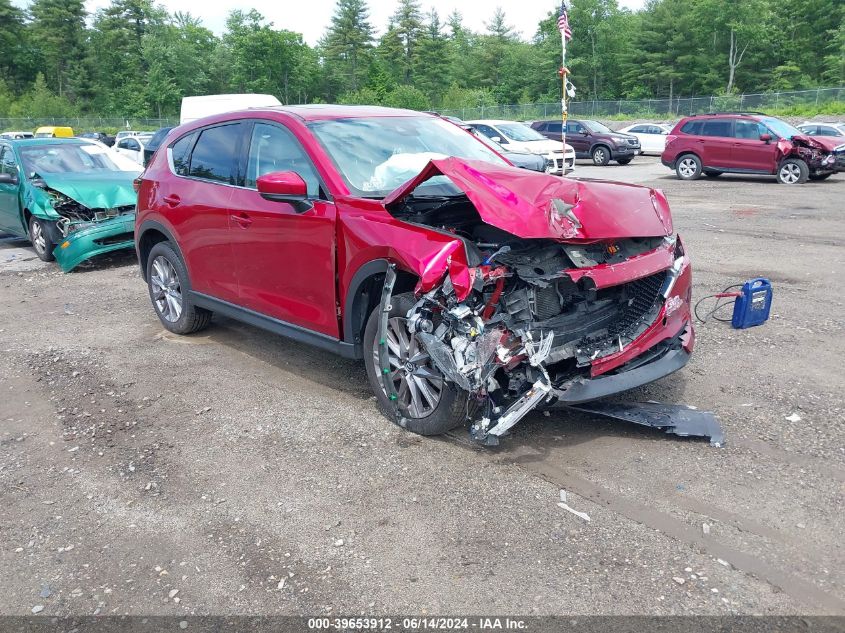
(88, 123)
(651, 108)
(645, 108)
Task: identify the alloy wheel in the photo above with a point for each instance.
(166, 289)
(687, 167)
(598, 156)
(790, 173)
(418, 385)
(39, 241)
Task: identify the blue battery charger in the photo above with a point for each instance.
(753, 304)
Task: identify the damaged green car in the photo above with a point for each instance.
(72, 199)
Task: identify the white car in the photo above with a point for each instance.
(822, 129)
(126, 133)
(512, 135)
(652, 136)
(132, 147)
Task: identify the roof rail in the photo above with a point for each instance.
(729, 112)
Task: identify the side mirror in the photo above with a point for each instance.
(498, 139)
(584, 133)
(8, 179)
(284, 186)
(766, 138)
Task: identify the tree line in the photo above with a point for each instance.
(133, 58)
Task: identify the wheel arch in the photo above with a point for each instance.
(364, 294)
(151, 233)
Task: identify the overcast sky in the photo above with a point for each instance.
(310, 17)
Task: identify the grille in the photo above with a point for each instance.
(115, 239)
(641, 298)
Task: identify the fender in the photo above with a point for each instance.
(352, 310)
(147, 225)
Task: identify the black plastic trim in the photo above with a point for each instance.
(588, 389)
(282, 328)
(374, 267)
(152, 224)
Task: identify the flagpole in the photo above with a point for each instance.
(563, 73)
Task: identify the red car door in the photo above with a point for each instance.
(205, 164)
(749, 152)
(285, 258)
(718, 140)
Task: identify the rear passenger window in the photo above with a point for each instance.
(716, 128)
(692, 127)
(553, 127)
(181, 152)
(639, 129)
(214, 155)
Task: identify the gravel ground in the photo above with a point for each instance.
(235, 472)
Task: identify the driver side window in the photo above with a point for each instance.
(8, 164)
(273, 148)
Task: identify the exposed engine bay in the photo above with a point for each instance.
(76, 216)
(526, 324)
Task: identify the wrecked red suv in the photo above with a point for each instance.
(749, 143)
(473, 290)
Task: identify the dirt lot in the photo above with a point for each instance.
(235, 472)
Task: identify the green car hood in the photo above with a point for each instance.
(105, 190)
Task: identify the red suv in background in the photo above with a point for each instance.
(749, 143)
(470, 288)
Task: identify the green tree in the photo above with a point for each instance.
(432, 77)
(407, 24)
(347, 45)
(58, 30)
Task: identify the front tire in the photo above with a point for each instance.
(39, 237)
(793, 171)
(167, 280)
(600, 156)
(434, 405)
(688, 167)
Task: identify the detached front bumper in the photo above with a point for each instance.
(98, 238)
(667, 358)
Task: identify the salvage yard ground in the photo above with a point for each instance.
(236, 472)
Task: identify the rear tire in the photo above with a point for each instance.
(450, 410)
(600, 155)
(688, 167)
(624, 161)
(39, 237)
(793, 171)
(167, 280)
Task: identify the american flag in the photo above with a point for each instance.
(563, 22)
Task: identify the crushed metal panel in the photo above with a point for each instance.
(673, 418)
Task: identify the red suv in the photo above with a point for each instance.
(470, 288)
(749, 143)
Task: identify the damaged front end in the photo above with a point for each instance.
(85, 219)
(557, 292)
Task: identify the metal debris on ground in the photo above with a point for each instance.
(678, 419)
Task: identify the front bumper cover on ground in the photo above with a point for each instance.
(99, 238)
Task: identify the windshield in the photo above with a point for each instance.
(781, 128)
(598, 128)
(376, 155)
(520, 132)
(67, 159)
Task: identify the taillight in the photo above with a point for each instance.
(136, 184)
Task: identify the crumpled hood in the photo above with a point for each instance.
(96, 191)
(824, 143)
(534, 205)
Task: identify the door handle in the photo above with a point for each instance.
(243, 219)
(172, 200)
